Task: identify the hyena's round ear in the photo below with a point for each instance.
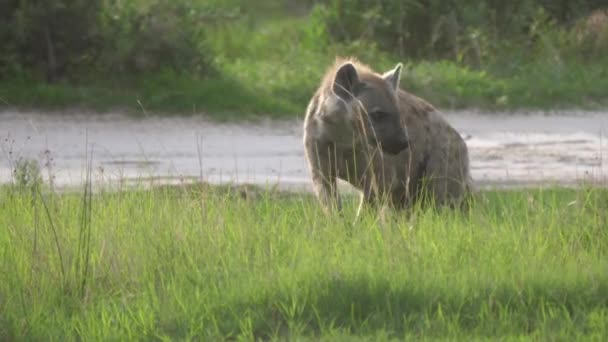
(393, 76)
(345, 81)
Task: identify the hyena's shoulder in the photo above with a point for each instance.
(414, 106)
(418, 116)
(421, 116)
(428, 129)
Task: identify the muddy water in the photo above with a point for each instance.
(505, 149)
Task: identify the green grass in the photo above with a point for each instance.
(192, 263)
(531, 85)
(163, 93)
(271, 67)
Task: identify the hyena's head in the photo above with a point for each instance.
(363, 106)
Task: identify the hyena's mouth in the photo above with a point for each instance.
(395, 148)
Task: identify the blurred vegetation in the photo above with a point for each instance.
(266, 57)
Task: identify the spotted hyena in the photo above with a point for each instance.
(393, 146)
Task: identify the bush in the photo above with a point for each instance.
(26, 174)
(591, 34)
(48, 37)
(143, 36)
(59, 39)
(464, 30)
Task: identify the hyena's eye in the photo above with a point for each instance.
(378, 115)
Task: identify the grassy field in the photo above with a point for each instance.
(270, 67)
(199, 263)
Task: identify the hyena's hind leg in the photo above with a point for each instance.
(448, 179)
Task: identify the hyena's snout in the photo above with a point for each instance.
(397, 144)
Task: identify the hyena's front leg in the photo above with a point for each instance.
(323, 174)
(368, 197)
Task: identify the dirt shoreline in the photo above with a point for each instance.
(506, 149)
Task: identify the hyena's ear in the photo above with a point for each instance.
(345, 81)
(393, 76)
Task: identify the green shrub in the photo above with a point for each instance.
(143, 36)
(48, 38)
(465, 30)
(26, 174)
(58, 39)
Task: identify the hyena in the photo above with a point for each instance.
(393, 146)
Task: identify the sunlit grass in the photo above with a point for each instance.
(210, 264)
